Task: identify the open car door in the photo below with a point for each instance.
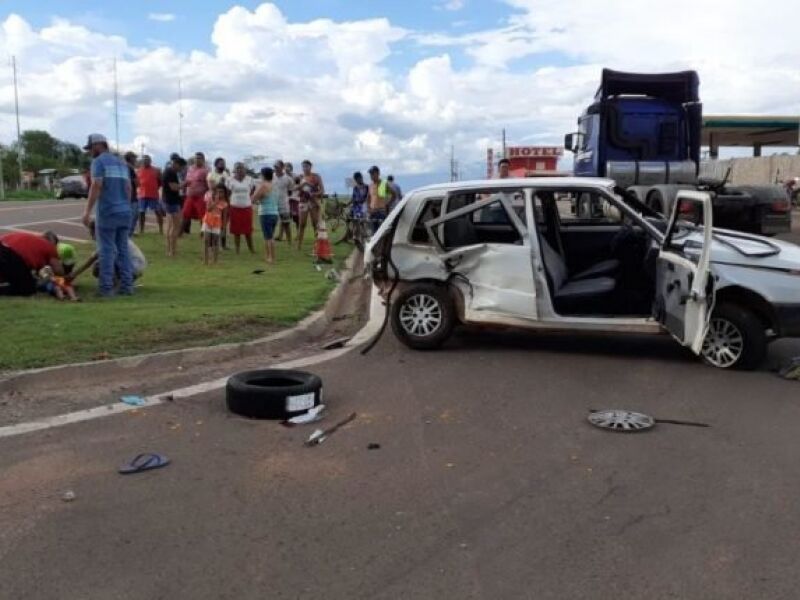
(682, 303)
(486, 248)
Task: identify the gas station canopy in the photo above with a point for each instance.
(749, 131)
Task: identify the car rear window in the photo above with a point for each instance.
(430, 210)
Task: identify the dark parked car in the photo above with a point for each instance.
(72, 186)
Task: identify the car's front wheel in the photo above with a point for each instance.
(735, 340)
(423, 316)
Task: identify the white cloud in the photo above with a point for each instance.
(324, 89)
(161, 17)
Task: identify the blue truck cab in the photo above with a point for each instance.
(644, 132)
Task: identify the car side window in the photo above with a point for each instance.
(489, 224)
(585, 208)
(430, 210)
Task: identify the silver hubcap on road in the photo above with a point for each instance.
(421, 315)
(724, 343)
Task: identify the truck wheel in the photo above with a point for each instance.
(423, 316)
(735, 340)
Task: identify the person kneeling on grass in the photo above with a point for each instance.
(216, 203)
(138, 261)
(266, 197)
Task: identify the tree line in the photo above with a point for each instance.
(40, 150)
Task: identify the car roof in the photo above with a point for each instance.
(514, 183)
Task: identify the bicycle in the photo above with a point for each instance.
(336, 213)
(357, 231)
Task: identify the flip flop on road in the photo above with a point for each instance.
(144, 462)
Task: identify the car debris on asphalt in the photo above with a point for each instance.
(312, 416)
(133, 400)
(336, 344)
(629, 421)
(792, 370)
(320, 435)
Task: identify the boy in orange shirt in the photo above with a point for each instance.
(216, 203)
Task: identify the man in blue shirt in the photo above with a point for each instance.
(111, 191)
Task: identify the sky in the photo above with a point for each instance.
(352, 83)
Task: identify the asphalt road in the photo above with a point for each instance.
(61, 216)
(489, 483)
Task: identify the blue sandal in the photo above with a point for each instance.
(144, 462)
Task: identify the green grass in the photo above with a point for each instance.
(180, 303)
(18, 195)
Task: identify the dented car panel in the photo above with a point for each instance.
(483, 242)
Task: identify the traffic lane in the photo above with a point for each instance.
(31, 212)
(488, 483)
(71, 231)
(62, 217)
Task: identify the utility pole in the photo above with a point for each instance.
(16, 110)
(504, 142)
(453, 164)
(180, 116)
(2, 182)
(116, 105)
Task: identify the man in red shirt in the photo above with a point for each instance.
(22, 255)
(149, 178)
(196, 186)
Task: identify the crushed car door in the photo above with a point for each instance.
(683, 270)
(486, 249)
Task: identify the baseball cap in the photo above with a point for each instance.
(95, 138)
(66, 252)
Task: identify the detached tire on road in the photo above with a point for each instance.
(735, 340)
(273, 393)
(423, 316)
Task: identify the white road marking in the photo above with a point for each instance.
(154, 400)
(366, 332)
(60, 237)
(48, 221)
(33, 206)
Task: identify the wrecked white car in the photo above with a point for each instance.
(519, 253)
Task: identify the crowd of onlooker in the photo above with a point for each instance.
(224, 203)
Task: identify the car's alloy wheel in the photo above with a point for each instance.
(421, 315)
(724, 343)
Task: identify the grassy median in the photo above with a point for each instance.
(27, 195)
(179, 303)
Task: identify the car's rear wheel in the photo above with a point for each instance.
(735, 340)
(423, 316)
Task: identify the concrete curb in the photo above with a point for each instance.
(312, 326)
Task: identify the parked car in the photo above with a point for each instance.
(512, 253)
(71, 186)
